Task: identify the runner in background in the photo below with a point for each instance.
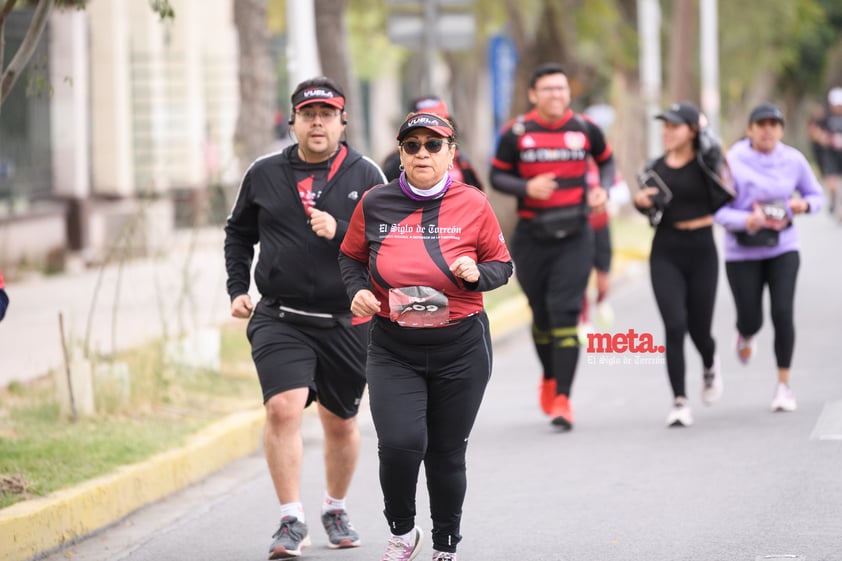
(826, 132)
(599, 218)
(774, 183)
(541, 160)
(462, 169)
(681, 190)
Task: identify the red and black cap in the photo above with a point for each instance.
(430, 104)
(435, 123)
(318, 94)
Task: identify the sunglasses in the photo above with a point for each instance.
(433, 146)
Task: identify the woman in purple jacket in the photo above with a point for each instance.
(761, 243)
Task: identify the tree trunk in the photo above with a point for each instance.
(550, 42)
(253, 135)
(334, 54)
(682, 80)
(30, 41)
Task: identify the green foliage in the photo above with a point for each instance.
(817, 32)
(38, 79)
(77, 4)
(372, 53)
(163, 8)
(766, 37)
(605, 41)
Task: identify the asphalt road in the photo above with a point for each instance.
(741, 484)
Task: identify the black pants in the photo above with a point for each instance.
(747, 279)
(684, 267)
(425, 389)
(554, 276)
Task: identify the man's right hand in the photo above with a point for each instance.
(241, 306)
(541, 186)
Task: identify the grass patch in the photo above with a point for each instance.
(41, 451)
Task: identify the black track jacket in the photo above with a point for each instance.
(295, 266)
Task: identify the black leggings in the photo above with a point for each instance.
(554, 276)
(425, 389)
(684, 267)
(747, 279)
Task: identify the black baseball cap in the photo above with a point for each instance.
(683, 113)
(435, 123)
(318, 94)
(764, 111)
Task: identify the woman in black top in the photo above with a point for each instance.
(678, 195)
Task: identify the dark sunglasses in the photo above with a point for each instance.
(433, 146)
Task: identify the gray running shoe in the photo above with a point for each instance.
(340, 532)
(444, 556)
(290, 539)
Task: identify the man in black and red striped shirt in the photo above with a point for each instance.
(542, 160)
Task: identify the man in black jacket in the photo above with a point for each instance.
(305, 344)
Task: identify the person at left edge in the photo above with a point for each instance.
(4, 298)
(542, 159)
(296, 203)
(419, 252)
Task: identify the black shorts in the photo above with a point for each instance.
(602, 249)
(329, 361)
(831, 162)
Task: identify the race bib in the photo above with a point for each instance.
(418, 306)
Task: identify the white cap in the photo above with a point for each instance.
(834, 96)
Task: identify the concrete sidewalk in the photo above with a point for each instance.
(139, 301)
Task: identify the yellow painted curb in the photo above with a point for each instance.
(509, 315)
(35, 526)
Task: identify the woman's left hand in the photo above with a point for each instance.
(465, 268)
(798, 206)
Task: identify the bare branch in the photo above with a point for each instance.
(30, 41)
(7, 9)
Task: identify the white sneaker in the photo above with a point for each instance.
(745, 348)
(784, 400)
(712, 383)
(399, 550)
(583, 329)
(604, 316)
(680, 415)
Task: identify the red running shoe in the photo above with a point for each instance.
(547, 395)
(562, 413)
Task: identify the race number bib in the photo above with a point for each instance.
(418, 306)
